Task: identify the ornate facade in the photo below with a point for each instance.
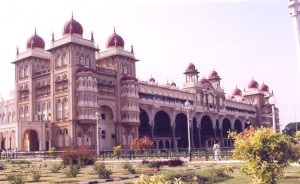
(58, 92)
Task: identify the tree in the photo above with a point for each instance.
(265, 153)
(290, 128)
(143, 143)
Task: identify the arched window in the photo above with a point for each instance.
(65, 108)
(66, 134)
(26, 71)
(59, 109)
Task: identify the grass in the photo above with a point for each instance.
(209, 170)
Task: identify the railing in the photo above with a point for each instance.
(196, 154)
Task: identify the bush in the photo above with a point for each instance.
(117, 151)
(18, 178)
(20, 162)
(55, 167)
(36, 175)
(82, 156)
(175, 162)
(102, 171)
(72, 171)
(265, 153)
(144, 162)
(129, 167)
(188, 177)
(2, 167)
(156, 164)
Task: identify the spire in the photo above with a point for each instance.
(114, 29)
(17, 50)
(98, 48)
(72, 15)
(34, 30)
(52, 37)
(92, 36)
(132, 49)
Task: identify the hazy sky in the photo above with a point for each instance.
(240, 39)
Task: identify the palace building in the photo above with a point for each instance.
(66, 93)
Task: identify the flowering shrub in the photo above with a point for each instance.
(102, 171)
(82, 156)
(265, 153)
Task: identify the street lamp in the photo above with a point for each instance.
(272, 101)
(97, 131)
(188, 107)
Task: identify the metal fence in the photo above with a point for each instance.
(195, 154)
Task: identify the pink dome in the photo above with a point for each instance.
(236, 92)
(151, 79)
(115, 41)
(204, 81)
(72, 26)
(35, 42)
(264, 87)
(191, 66)
(252, 84)
(213, 74)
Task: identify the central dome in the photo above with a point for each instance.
(115, 40)
(35, 42)
(72, 26)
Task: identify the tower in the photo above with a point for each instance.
(294, 7)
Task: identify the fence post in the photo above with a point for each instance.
(206, 155)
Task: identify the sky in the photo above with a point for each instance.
(240, 39)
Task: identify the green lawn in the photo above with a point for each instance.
(292, 174)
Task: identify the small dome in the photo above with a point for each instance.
(173, 84)
(35, 42)
(204, 81)
(191, 66)
(128, 78)
(252, 84)
(236, 92)
(213, 74)
(115, 41)
(86, 69)
(264, 87)
(72, 27)
(151, 79)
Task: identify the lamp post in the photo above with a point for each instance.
(10, 140)
(272, 101)
(188, 107)
(97, 132)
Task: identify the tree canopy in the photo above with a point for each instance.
(290, 128)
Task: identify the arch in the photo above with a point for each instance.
(195, 133)
(238, 126)
(181, 130)
(226, 126)
(207, 131)
(162, 124)
(145, 127)
(107, 126)
(30, 140)
(113, 110)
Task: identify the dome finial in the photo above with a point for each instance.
(114, 29)
(92, 36)
(72, 15)
(17, 50)
(132, 49)
(34, 30)
(52, 37)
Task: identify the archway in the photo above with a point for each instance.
(181, 130)
(226, 127)
(107, 135)
(195, 134)
(162, 125)
(31, 141)
(238, 126)
(218, 130)
(207, 131)
(144, 128)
